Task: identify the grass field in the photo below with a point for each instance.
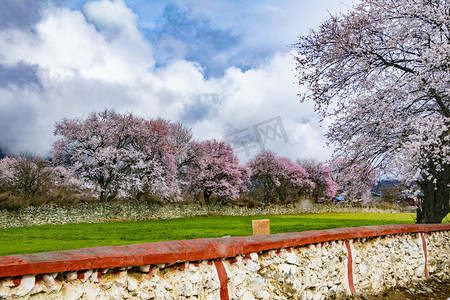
(73, 236)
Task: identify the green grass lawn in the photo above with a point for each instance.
(73, 236)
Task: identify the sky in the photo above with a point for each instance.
(224, 68)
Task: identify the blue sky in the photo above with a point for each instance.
(217, 66)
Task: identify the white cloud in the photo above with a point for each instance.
(111, 15)
(257, 95)
(66, 45)
(84, 70)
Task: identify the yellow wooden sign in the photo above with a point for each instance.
(261, 227)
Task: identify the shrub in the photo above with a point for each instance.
(26, 175)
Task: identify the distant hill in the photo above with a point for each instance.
(383, 184)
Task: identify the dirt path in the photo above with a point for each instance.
(427, 290)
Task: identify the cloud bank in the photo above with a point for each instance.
(66, 62)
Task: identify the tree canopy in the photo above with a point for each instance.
(381, 72)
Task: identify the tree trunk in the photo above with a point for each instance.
(138, 196)
(206, 196)
(435, 204)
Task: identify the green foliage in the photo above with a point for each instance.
(73, 236)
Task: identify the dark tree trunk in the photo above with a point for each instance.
(435, 205)
(139, 196)
(207, 196)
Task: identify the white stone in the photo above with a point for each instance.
(144, 268)
(71, 276)
(185, 289)
(160, 292)
(256, 283)
(38, 287)
(274, 260)
(316, 264)
(251, 266)
(115, 292)
(287, 271)
(51, 283)
(212, 285)
(197, 289)
(7, 282)
(144, 296)
(94, 276)
(292, 259)
(247, 296)
(121, 279)
(239, 260)
(254, 256)
(166, 285)
(261, 294)
(213, 296)
(72, 292)
(132, 284)
(238, 293)
(194, 278)
(93, 292)
(87, 274)
(25, 286)
(363, 269)
(318, 297)
(192, 268)
(237, 279)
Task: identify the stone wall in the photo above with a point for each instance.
(304, 265)
(96, 212)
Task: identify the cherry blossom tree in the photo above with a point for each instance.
(7, 173)
(279, 177)
(120, 153)
(98, 148)
(266, 171)
(321, 175)
(65, 179)
(355, 179)
(215, 170)
(293, 181)
(168, 145)
(146, 176)
(381, 73)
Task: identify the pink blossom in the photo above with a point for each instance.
(216, 171)
(279, 177)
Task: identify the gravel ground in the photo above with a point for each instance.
(427, 290)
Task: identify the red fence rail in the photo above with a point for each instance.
(189, 250)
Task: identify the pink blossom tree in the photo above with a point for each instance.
(120, 153)
(215, 170)
(161, 149)
(355, 179)
(279, 177)
(294, 180)
(267, 172)
(66, 178)
(321, 175)
(98, 148)
(381, 72)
